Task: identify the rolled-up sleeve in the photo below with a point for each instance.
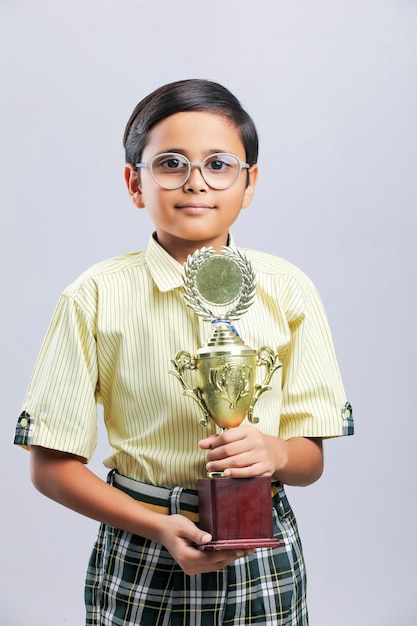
(313, 397)
(60, 408)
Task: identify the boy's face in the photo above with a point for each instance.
(195, 215)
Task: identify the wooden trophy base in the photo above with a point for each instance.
(237, 512)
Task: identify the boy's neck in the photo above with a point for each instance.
(181, 253)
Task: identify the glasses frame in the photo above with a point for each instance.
(192, 164)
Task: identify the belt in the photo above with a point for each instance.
(158, 499)
(161, 499)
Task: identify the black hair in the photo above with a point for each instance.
(187, 95)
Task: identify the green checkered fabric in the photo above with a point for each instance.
(133, 581)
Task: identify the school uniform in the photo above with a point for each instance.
(111, 341)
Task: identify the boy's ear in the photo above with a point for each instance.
(250, 188)
(132, 184)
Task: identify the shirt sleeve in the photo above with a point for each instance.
(60, 408)
(313, 397)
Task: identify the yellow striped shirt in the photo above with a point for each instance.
(111, 341)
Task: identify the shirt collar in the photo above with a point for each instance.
(164, 269)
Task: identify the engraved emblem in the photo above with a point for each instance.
(231, 382)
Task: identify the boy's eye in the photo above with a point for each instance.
(170, 162)
(217, 165)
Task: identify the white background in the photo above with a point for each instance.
(332, 87)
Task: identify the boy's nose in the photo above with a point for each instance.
(195, 181)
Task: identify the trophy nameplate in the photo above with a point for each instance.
(237, 512)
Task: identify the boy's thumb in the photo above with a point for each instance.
(202, 538)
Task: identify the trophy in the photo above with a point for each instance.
(237, 512)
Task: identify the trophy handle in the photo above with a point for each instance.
(184, 361)
(268, 358)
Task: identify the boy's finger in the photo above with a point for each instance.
(208, 442)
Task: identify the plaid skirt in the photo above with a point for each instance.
(134, 581)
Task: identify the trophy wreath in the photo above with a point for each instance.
(220, 288)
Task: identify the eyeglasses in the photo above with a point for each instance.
(171, 170)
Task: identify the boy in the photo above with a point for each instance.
(111, 340)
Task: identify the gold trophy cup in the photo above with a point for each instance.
(237, 512)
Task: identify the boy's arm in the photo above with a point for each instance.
(245, 452)
(65, 479)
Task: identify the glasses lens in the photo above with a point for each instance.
(170, 170)
(221, 170)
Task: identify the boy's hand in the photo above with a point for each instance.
(181, 537)
(244, 452)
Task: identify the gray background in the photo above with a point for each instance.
(332, 88)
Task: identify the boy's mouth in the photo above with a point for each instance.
(194, 208)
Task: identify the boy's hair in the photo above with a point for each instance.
(187, 95)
